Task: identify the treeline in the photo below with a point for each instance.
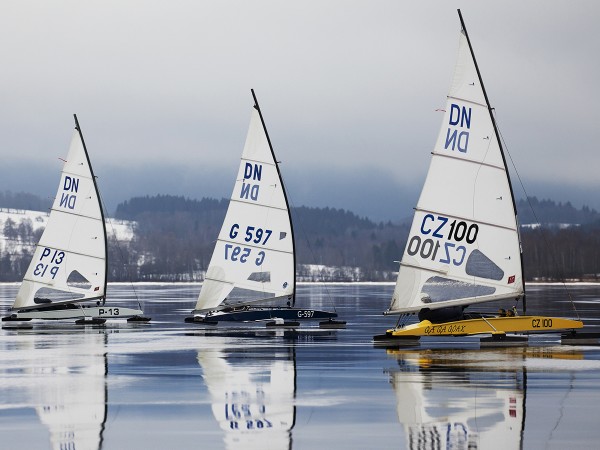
(23, 200)
(175, 236)
(553, 253)
(19, 243)
(549, 212)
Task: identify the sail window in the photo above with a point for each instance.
(48, 295)
(77, 280)
(261, 277)
(440, 289)
(479, 265)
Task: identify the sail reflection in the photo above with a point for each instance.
(470, 399)
(64, 379)
(252, 392)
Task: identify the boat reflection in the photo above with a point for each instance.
(467, 399)
(252, 391)
(460, 399)
(63, 376)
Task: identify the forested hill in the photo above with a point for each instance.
(172, 238)
(568, 246)
(136, 206)
(535, 211)
(25, 201)
(531, 211)
(181, 232)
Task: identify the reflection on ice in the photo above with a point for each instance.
(64, 379)
(444, 406)
(252, 394)
(469, 399)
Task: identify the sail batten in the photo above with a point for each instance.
(466, 100)
(254, 251)
(237, 200)
(266, 163)
(70, 213)
(463, 246)
(468, 161)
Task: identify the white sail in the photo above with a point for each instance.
(62, 377)
(463, 246)
(254, 250)
(69, 262)
(72, 400)
(254, 404)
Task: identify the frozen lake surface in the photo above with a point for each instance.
(170, 385)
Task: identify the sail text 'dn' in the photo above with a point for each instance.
(49, 259)
(457, 136)
(69, 195)
(251, 172)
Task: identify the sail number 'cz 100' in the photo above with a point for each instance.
(541, 323)
(448, 252)
(459, 230)
(55, 257)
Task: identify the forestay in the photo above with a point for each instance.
(254, 250)
(463, 246)
(69, 262)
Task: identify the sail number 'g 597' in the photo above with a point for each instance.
(246, 415)
(252, 235)
(444, 252)
(49, 259)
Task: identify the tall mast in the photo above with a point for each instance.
(262, 120)
(490, 110)
(87, 156)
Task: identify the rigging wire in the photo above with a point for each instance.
(116, 240)
(312, 253)
(544, 236)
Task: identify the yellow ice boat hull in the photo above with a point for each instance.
(487, 325)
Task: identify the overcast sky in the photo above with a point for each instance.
(348, 89)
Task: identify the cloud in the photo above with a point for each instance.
(343, 85)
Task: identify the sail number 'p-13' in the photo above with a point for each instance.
(42, 267)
